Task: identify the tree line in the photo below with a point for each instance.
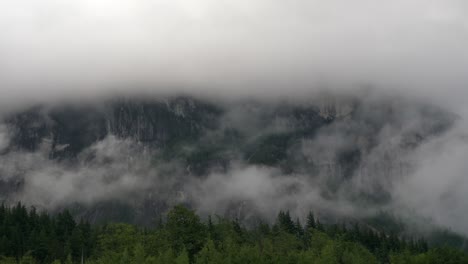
(27, 236)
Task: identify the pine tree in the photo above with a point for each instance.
(285, 223)
(320, 226)
(298, 228)
(311, 221)
(139, 254)
(185, 230)
(210, 227)
(182, 258)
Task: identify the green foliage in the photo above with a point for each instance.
(311, 221)
(28, 259)
(31, 238)
(185, 230)
(117, 237)
(182, 258)
(7, 260)
(209, 254)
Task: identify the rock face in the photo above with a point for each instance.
(332, 141)
(70, 129)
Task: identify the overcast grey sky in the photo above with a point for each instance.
(52, 49)
(56, 48)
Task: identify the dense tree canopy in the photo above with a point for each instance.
(30, 237)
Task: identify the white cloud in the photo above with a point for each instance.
(54, 48)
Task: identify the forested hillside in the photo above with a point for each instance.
(28, 236)
(233, 131)
(136, 158)
(131, 160)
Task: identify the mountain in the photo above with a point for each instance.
(130, 159)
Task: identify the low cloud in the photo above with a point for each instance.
(261, 48)
(375, 51)
(438, 187)
(377, 154)
(4, 138)
(110, 169)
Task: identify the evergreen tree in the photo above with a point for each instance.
(185, 230)
(311, 221)
(285, 223)
(31, 237)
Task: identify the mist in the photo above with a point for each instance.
(406, 52)
(56, 49)
(398, 168)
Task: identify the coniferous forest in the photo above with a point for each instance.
(29, 236)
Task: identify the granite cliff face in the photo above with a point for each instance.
(333, 148)
(68, 129)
